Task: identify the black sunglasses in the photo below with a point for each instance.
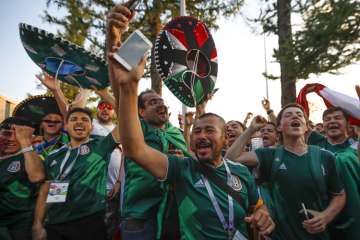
(52, 122)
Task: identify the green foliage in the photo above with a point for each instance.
(85, 19)
(328, 39)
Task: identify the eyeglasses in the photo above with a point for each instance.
(51, 122)
(103, 106)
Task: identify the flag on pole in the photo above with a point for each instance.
(331, 98)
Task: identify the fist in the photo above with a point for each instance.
(23, 133)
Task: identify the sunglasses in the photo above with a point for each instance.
(51, 122)
(104, 106)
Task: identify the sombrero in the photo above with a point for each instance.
(71, 63)
(35, 108)
(186, 59)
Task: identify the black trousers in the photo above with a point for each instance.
(90, 228)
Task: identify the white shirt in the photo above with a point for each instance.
(115, 158)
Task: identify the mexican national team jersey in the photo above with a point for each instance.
(294, 183)
(87, 178)
(321, 141)
(348, 221)
(46, 147)
(17, 194)
(143, 193)
(197, 216)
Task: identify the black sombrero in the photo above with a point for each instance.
(186, 59)
(35, 108)
(71, 63)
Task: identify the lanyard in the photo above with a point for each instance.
(63, 173)
(229, 227)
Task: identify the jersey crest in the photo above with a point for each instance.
(84, 149)
(14, 167)
(236, 183)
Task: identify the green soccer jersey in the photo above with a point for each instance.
(87, 179)
(17, 194)
(321, 141)
(294, 183)
(46, 147)
(197, 216)
(348, 221)
(143, 194)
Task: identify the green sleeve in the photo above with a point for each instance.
(333, 180)
(105, 145)
(265, 158)
(175, 168)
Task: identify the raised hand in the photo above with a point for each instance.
(50, 82)
(23, 135)
(117, 22)
(266, 104)
(257, 123)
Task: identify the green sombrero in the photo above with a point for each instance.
(35, 108)
(73, 64)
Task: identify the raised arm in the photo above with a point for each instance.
(132, 137)
(271, 115)
(235, 152)
(33, 164)
(54, 87)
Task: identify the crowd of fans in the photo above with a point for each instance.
(130, 174)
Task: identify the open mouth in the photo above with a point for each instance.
(203, 146)
(333, 126)
(295, 124)
(79, 130)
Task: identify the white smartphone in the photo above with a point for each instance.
(132, 50)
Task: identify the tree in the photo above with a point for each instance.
(328, 39)
(85, 20)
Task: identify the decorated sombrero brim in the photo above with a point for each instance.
(72, 63)
(35, 108)
(186, 59)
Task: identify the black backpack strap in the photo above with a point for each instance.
(209, 173)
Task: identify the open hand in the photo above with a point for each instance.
(50, 82)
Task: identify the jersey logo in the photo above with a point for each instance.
(236, 183)
(84, 149)
(283, 167)
(199, 183)
(323, 170)
(53, 163)
(277, 159)
(14, 167)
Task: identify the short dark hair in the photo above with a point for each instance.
(279, 116)
(141, 102)
(240, 123)
(335, 109)
(79, 109)
(206, 115)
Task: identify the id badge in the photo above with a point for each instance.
(57, 192)
(239, 236)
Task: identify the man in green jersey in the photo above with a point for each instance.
(75, 191)
(20, 169)
(335, 122)
(205, 210)
(303, 180)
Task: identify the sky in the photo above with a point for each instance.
(241, 61)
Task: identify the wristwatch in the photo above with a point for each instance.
(27, 149)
